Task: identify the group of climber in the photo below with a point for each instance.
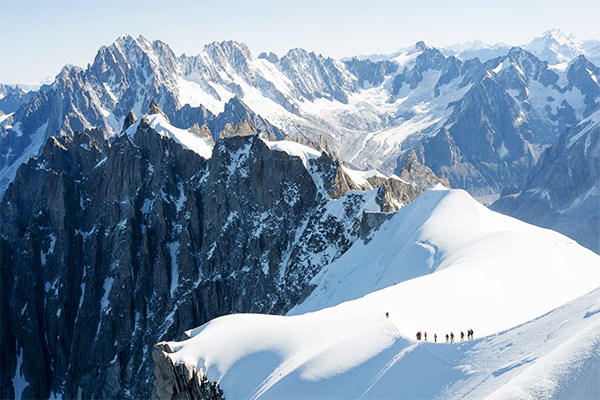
(449, 338)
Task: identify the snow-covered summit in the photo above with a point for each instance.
(443, 263)
(555, 47)
(294, 149)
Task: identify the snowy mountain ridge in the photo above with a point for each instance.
(438, 265)
(371, 113)
(553, 46)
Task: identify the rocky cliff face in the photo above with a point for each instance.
(109, 247)
(180, 381)
(483, 148)
(563, 192)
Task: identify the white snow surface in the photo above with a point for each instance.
(189, 140)
(588, 124)
(442, 263)
(306, 153)
(5, 117)
(294, 149)
(360, 177)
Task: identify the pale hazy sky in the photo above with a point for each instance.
(38, 37)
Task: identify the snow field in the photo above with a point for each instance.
(442, 263)
(490, 272)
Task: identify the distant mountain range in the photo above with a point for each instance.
(553, 46)
(481, 125)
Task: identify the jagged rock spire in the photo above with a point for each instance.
(130, 119)
(411, 160)
(421, 175)
(154, 108)
(201, 131)
(243, 128)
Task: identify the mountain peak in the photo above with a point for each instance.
(555, 34)
(518, 55)
(154, 108)
(271, 57)
(126, 39)
(555, 47)
(515, 51)
(421, 46)
(297, 53)
(228, 49)
(130, 119)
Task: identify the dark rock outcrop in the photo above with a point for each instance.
(130, 119)
(180, 381)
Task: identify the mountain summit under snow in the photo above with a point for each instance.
(443, 263)
(555, 47)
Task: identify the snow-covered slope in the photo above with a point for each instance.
(443, 263)
(474, 253)
(158, 122)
